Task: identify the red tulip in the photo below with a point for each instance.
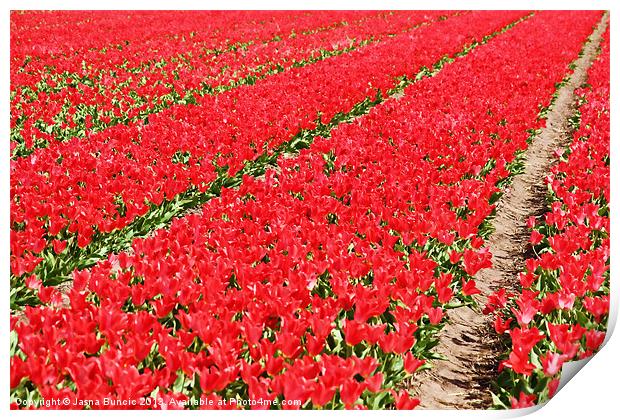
(523, 401)
(411, 363)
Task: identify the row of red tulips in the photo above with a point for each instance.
(65, 194)
(559, 313)
(118, 38)
(325, 282)
(64, 105)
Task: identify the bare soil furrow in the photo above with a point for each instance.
(471, 346)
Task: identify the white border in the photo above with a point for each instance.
(591, 394)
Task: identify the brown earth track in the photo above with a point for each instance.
(468, 341)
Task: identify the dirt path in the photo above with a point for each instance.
(468, 340)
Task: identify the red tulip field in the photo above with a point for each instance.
(306, 209)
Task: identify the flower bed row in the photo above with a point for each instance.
(64, 105)
(323, 283)
(65, 194)
(560, 311)
(120, 37)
